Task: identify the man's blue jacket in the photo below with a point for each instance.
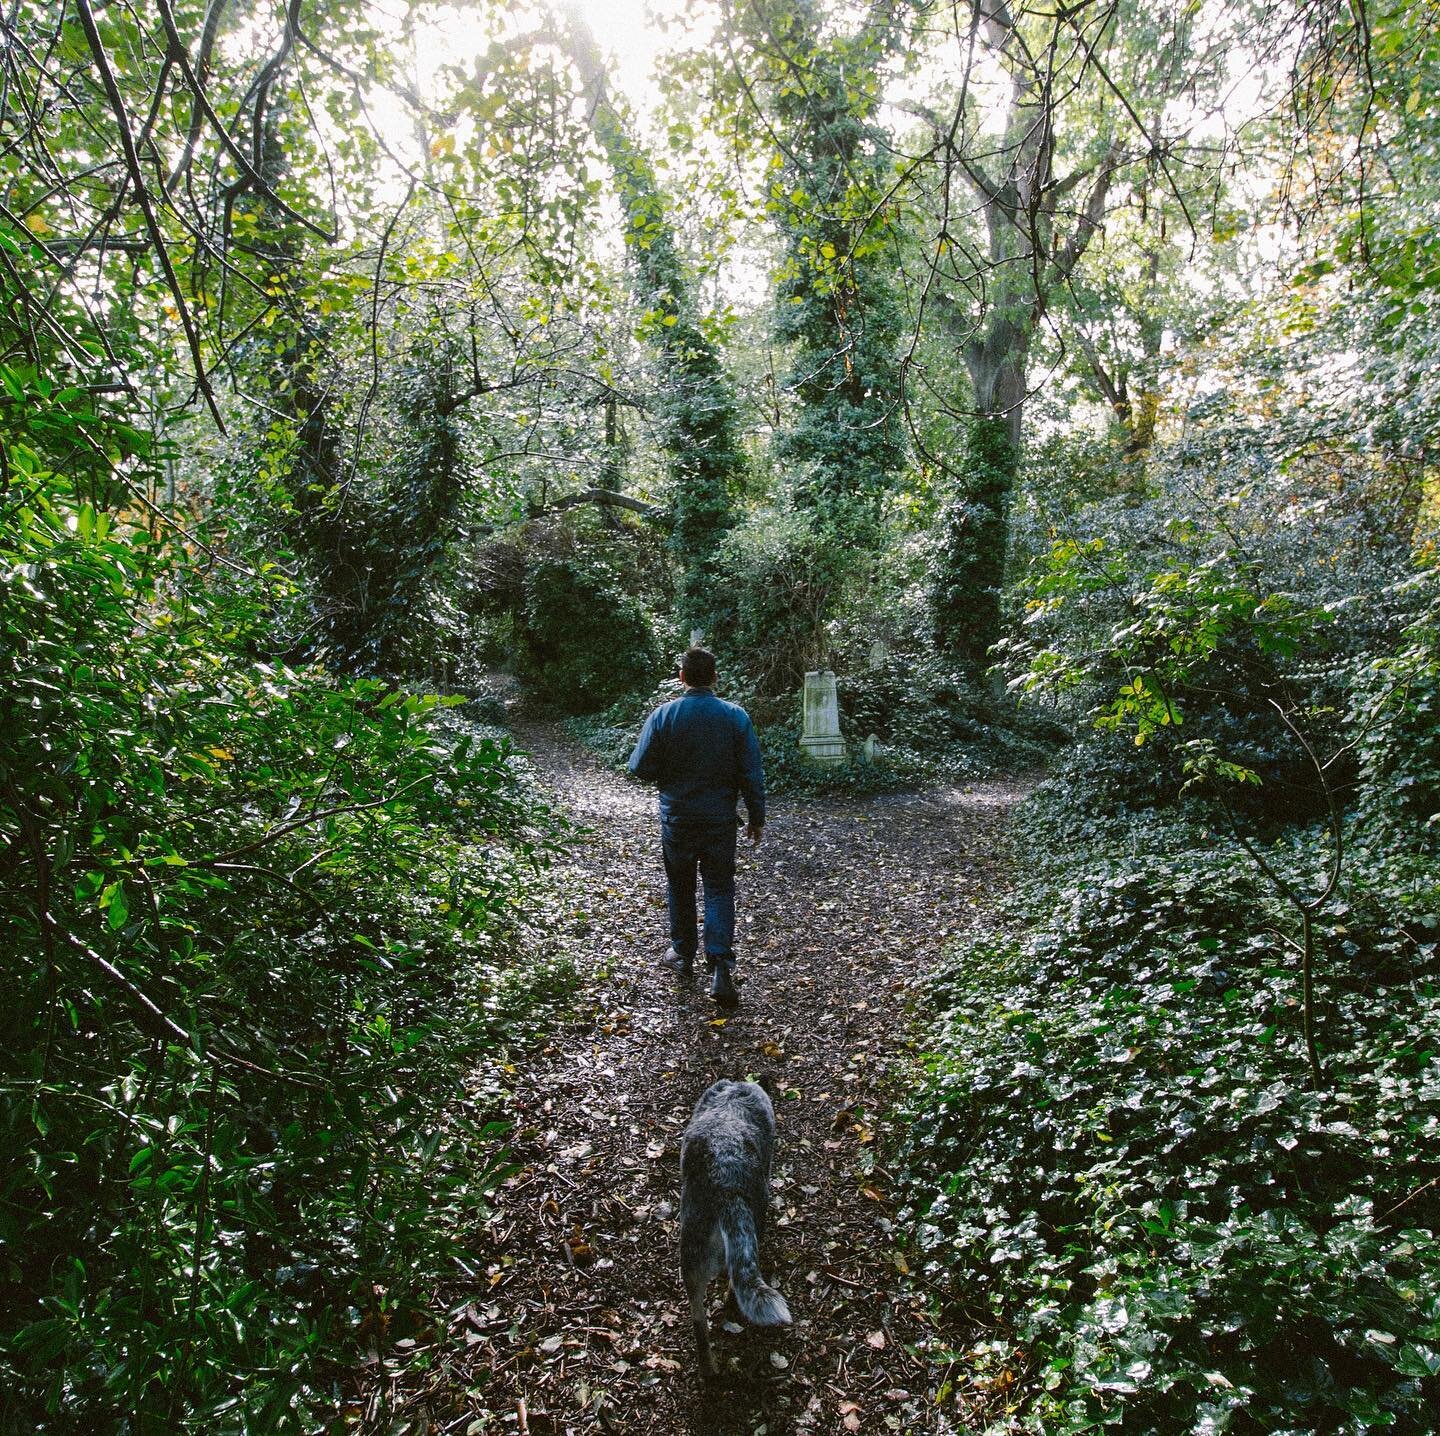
(703, 753)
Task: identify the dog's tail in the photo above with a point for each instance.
(760, 1303)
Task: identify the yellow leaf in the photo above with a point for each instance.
(223, 754)
(37, 224)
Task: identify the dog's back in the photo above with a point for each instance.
(725, 1159)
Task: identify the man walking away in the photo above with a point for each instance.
(703, 754)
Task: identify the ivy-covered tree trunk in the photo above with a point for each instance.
(974, 526)
(699, 423)
(836, 299)
(299, 445)
(972, 538)
(416, 516)
(1031, 255)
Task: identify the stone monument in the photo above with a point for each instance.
(820, 741)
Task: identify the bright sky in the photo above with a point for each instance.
(629, 31)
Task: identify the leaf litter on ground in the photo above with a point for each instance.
(575, 1319)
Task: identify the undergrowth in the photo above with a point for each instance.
(262, 924)
(924, 737)
(1122, 1181)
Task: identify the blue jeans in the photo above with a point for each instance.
(690, 845)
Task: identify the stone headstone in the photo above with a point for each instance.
(820, 739)
(878, 654)
(697, 637)
(871, 748)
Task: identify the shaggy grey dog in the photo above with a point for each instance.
(725, 1159)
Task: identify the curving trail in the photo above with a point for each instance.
(578, 1322)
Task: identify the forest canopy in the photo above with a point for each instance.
(1065, 378)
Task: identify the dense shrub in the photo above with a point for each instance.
(780, 583)
(1123, 1161)
(1396, 712)
(1266, 571)
(1117, 1165)
(582, 641)
(259, 925)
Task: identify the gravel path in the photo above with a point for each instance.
(579, 1323)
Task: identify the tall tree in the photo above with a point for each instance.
(1071, 125)
(836, 299)
(700, 428)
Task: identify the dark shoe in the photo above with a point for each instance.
(678, 963)
(722, 986)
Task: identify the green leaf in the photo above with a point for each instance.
(118, 908)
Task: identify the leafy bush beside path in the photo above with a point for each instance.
(261, 924)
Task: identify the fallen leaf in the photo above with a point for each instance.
(876, 1339)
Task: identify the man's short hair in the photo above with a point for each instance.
(697, 667)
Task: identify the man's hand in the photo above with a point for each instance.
(753, 832)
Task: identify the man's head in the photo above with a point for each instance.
(697, 668)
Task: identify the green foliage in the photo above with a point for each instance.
(1116, 1164)
(262, 921)
(697, 405)
(836, 299)
(789, 773)
(582, 641)
(778, 565)
(262, 924)
(1177, 622)
(1396, 709)
(926, 713)
(1117, 1159)
(967, 570)
(1195, 624)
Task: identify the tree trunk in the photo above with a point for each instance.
(968, 577)
(973, 531)
(700, 423)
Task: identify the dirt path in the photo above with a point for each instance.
(578, 1323)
